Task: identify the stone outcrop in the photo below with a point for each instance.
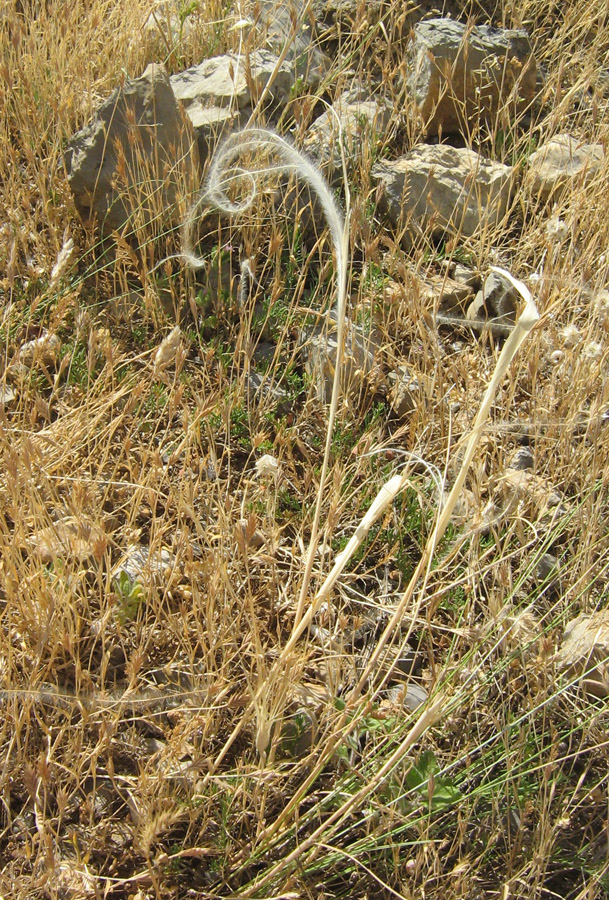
(563, 162)
(585, 650)
(443, 189)
(319, 351)
(233, 80)
(349, 122)
(127, 158)
(219, 93)
(459, 73)
(279, 23)
(498, 299)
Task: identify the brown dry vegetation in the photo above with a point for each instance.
(151, 745)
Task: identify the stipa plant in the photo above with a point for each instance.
(116, 707)
(227, 178)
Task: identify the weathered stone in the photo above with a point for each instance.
(210, 123)
(462, 274)
(410, 695)
(233, 81)
(350, 122)
(7, 396)
(404, 388)
(165, 22)
(444, 189)
(263, 389)
(43, 350)
(451, 295)
(129, 156)
(248, 536)
(498, 299)
(522, 459)
(72, 537)
(319, 351)
(547, 570)
(529, 495)
(141, 565)
(562, 163)
(459, 73)
(280, 23)
(584, 654)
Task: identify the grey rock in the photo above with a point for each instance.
(443, 189)
(233, 81)
(141, 126)
(263, 389)
(248, 536)
(7, 396)
(140, 565)
(522, 459)
(319, 349)
(210, 123)
(585, 651)
(459, 73)
(404, 388)
(165, 22)
(349, 122)
(464, 275)
(562, 163)
(498, 299)
(451, 295)
(280, 23)
(43, 350)
(410, 696)
(547, 569)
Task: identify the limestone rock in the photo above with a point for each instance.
(275, 24)
(43, 350)
(319, 352)
(230, 80)
(210, 123)
(129, 153)
(7, 396)
(585, 652)
(74, 538)
(547, 571)
(522, 459)
(165, 22)
(529, 495)
(462, 274)
(350, 121)
(262, 389)
(444, 189)
(141, 565)
(452, 294)
(404, 388)
(498, 299)
(560, 163)
(458, 73)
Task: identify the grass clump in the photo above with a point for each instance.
(234, 714)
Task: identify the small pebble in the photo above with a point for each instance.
(522, 459)
(547, 566)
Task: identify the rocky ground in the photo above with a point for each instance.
(266, 631)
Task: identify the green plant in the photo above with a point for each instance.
(425, 777)
(130, 595)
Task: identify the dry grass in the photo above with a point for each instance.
(157, 739)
